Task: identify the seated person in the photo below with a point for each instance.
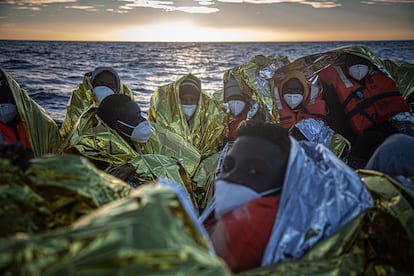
(361, 99)
(23, 121)
(11, 125)
(394, 157)
(183, 108)
(110, 135)
(124, 116)
(268, 190)
(96, 85)
(297, 99)
(240, 105)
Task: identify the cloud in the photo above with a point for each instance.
(190, 6)
(314, 4)
(373, 2)
(85, 8)
(38, 2)
(169, 6)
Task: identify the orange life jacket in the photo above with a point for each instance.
(365, 105)
(8, 135)
(313, 106)
(234, 125)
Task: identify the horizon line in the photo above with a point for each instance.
(218, 41)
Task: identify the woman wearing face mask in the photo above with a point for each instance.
(361, 99)
(297, 99)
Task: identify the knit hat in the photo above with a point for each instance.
(100, 70)
(190, 86)
(232, 88)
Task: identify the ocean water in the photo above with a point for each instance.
(49, 71)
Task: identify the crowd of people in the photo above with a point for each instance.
(288, 156)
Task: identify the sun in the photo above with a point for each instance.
(184, 31)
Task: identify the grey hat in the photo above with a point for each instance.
(190, 86)
(232, 88)
(99, 70)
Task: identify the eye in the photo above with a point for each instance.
(227, 165)
(253, 171)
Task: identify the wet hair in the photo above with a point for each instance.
(271, 132)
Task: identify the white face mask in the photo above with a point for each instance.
(358, 71)
(140, 133)
(230, 196)
(7, 112)
(188, 110)
(293, 100)
(236, 107)
(101, 92)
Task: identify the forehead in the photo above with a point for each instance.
(255, 148)
(292, 83)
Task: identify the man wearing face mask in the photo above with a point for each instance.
(11, 126)
(22, 121)
(96, 85)
(264, 201)
(124, 115)
(183, 108)
(297, 99)
(361, 99)
(110, 136)
(189, 96)
(239, 106)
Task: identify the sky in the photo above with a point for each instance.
(207, 20)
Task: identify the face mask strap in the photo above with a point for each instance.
(125, 124)
(271, 191)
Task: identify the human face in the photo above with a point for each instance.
(189, 99)
(105, 79)
(255, 163)
(131, 114)
(292, 86)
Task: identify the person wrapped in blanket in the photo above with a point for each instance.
(110, 135)
(240, 105)
(303, 111)
(23, 121)
(275, 198)
(95, 86)
(361, 99)
(183, 108)
(154, 229)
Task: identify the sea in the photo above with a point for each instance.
(50, 70)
